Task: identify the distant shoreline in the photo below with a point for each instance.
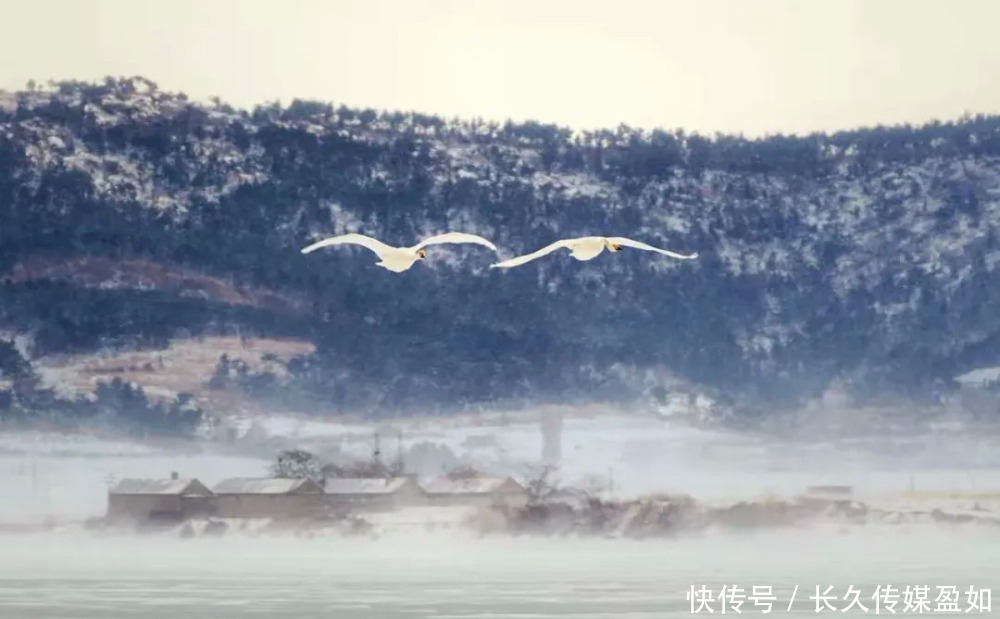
(659, 517)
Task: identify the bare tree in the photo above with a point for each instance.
(297, 464)
(541, 484)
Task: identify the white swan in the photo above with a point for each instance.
(398, 259)
(587, 248)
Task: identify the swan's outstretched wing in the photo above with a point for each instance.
(619, 240)
(353, 239)
(455, 237)
(548, 249)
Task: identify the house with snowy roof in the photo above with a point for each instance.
(378, 493)
(476, 491)
(265, 497)
(146, 500)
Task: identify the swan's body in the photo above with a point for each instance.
(588, 248)
(398, 259)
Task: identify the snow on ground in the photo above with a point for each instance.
(981, 376)
(67, 477)
(182, 367)
(422, 519)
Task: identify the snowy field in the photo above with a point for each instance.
(66, 477)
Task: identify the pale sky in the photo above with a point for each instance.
(755, 66)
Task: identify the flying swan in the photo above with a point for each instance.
(398, 259)
(588, 248)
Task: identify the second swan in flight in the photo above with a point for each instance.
(398, 259)
(588, 248)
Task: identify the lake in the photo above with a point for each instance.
(78, 576)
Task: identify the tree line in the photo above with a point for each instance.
(234, 193)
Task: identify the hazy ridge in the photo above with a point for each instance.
(863, 260)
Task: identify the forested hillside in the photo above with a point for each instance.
(130, 216)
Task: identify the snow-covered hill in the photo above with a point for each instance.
(865, 259)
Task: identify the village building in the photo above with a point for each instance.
(477, 491)
(374, 494)
(245, 497)
(150, 500)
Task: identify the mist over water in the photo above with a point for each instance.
(66, 478)
(457, 576)
(454, 573)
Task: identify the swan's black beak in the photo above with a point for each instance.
(421, 253)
